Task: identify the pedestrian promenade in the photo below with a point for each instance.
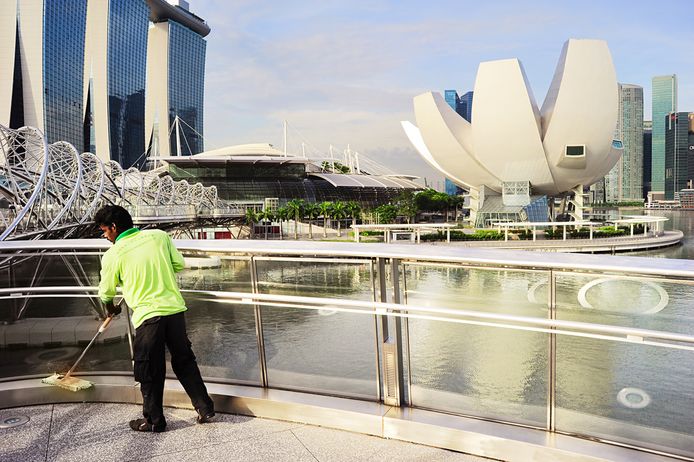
(100, 432)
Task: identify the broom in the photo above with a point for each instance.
(73, 383)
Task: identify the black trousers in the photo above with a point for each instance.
(150, 365)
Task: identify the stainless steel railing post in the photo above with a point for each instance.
(259, 326)
(552, 353)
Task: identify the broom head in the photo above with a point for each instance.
(69, 382)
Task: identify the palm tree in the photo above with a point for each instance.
(325, 210)
(282, 214)
(266, 215)
(339, 212)
(354, 211)
(311, 211)
(251, 219)
(295, 208)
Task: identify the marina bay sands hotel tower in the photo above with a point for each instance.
(108, 76)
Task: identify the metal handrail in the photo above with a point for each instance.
(543, 325)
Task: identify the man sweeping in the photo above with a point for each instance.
(143, 263)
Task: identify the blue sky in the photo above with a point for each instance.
(345, 72)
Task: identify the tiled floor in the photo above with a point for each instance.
(100, 432)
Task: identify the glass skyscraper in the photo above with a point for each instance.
(676, 154)
(664, 102)
(452, 98)
(64, 22)
(466, 106)
(78, 70)
(175, 85)
(186, 85)
(42, 60)
(127, 59)
(647, 143)
(630, 126)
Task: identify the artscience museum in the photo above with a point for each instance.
(566, 144)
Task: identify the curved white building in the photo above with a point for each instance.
(567, 142)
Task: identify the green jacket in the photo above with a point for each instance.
(143, 263)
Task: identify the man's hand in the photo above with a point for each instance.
(113, 310)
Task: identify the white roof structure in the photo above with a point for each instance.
(565, 143)
(266, 153)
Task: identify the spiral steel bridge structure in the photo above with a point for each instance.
(50, 191)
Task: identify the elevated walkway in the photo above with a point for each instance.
(99, 431)
(303, 427)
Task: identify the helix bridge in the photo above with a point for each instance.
(50, 191)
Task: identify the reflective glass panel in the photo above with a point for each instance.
(626, 392)
(482, 371)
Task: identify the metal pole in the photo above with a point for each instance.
(552, 356)
(259, 327)
(399, 343)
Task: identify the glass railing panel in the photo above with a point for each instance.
(46, 335)
(41, 270)
(627, 393)
(224, 339)
(321, 351)
(216, 272)
(315, 277)
(487, 372)
(620, 391)
(645, 303)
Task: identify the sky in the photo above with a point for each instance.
(345, 72)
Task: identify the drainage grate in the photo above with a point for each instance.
(13, 421)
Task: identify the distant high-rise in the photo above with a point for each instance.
(664, 102)
(41, 62)
(76, 69)
(466, 106)
(677, 154)
(114, 79)
(630, 131)
(647, 143)
(175, 84)
(452, 98)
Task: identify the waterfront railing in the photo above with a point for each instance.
(597, 347)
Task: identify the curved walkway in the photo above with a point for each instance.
(608, 244)
(99, 431)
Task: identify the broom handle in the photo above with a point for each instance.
(102, 328)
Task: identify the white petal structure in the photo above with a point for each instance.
(568, 142)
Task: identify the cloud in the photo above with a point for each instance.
(346, 73)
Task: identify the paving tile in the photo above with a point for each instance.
(275, 447)
(82, 429)
(329, 445)
(26, 443)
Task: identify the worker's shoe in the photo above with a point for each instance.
(141, 425)
(204, 416)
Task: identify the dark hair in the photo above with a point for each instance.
(116, 215)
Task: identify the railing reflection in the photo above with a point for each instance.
(520, 343)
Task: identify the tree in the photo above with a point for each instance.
(325, 208)
(385, 213)
(265, 216)
(295, 209)
(251, 219)
(338, 212)
(353, 210)
(406, 205)
(282, 214)
(311, 212)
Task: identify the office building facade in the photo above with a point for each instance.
(664, 102)
(678, 139)
(175, 86)
(647, 144)
(42, 77)
(77, 70)
(630, 132)
(465, 109)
